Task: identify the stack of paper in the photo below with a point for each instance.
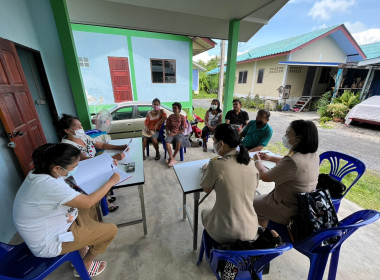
(93, 173)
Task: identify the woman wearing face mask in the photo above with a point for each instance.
(46, 214)
(295, 173)
(235, 178)
(213, 118)
(72, 131)
(153, 122)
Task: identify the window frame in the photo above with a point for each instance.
(83, 62)
(260, 77)
(163, 70)
(243, 78)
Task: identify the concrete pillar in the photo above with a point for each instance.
(233, 39)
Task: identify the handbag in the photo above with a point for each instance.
(335, 187)
(315, 212)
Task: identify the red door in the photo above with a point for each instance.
(121, 82)
(17, 111)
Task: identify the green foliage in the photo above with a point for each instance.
(348, 98)
(278, 148)
(321, 104)
(201, 112)
(324, 119)
(337, 110)
(249, 102)
(208, 82)
(260, 106)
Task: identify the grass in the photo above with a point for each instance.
(326, 126)
(366, 191)
(199, 111)
(204, 95)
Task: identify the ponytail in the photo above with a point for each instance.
(243, 156)
(230, 136)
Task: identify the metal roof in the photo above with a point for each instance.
(338, 33)
(371, 50)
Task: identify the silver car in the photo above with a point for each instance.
(128, 118)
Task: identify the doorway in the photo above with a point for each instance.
(309, 81)
(121, 81)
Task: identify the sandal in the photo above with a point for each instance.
(157, 157)
(111, 199)
(144, 157)
(94, 269)
(112, 208)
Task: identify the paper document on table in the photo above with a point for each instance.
(127, 159)
(93, 173)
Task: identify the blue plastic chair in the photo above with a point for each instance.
(241, 259)
(341, 165)
(318, 252)
(18, 262)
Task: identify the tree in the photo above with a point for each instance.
(207, 82)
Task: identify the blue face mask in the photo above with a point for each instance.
(71, 173)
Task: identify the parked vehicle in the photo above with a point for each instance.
(128, 118)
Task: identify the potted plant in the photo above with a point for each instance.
(338, 111)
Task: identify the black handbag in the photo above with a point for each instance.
(335, 187)
(315, 212)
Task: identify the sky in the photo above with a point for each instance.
(361, 18)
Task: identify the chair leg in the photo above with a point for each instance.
(104, 206)
(334, 264)
(78, 264)
(181, 153)
(147, 148)
(317, 266)
(201, 252)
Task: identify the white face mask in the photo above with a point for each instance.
(214, 107)
(79, 133)
(70, 173)
(285, 142)
(215, 145)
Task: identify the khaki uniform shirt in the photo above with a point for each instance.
(233, 216)
(292, 175)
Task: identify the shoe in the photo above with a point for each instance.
(144, 157)
(205, 150)
(157, 157)
(171, 163)
(94, 269)
(112, 208)
(111, 199)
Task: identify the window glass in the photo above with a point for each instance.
(243, 77)
(260, 76)
(124, 113)
(163, 70)
(142, 111)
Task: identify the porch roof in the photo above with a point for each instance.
(307, 63)
(196, 18)
(371, 50)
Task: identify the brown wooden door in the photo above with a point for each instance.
(17, 110)
(121, 82)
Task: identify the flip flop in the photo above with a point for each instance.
(157, 157)
(112, 208)
(111, 199)
(94, 269)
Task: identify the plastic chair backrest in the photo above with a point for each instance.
(317, 250)
(18, 262)
(340, 169)
(241, 259)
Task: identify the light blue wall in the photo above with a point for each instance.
(146, 48)
(97, 47)
(195, 79)
(31, 24)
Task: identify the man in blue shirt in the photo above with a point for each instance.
(257, 133)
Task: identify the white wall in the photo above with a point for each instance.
(323, 50)
(30, 23)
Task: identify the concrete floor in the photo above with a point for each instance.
(166, 252)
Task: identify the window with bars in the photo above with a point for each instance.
(295, 69)
(260, 76)
(84, 62)
(243, 77)
(163, 70)
(276, 70)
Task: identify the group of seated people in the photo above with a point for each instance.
(55, 219)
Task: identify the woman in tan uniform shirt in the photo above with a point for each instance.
(295, 173)
(235, 178)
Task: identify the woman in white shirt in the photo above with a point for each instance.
(46, 213)
(213, 118)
